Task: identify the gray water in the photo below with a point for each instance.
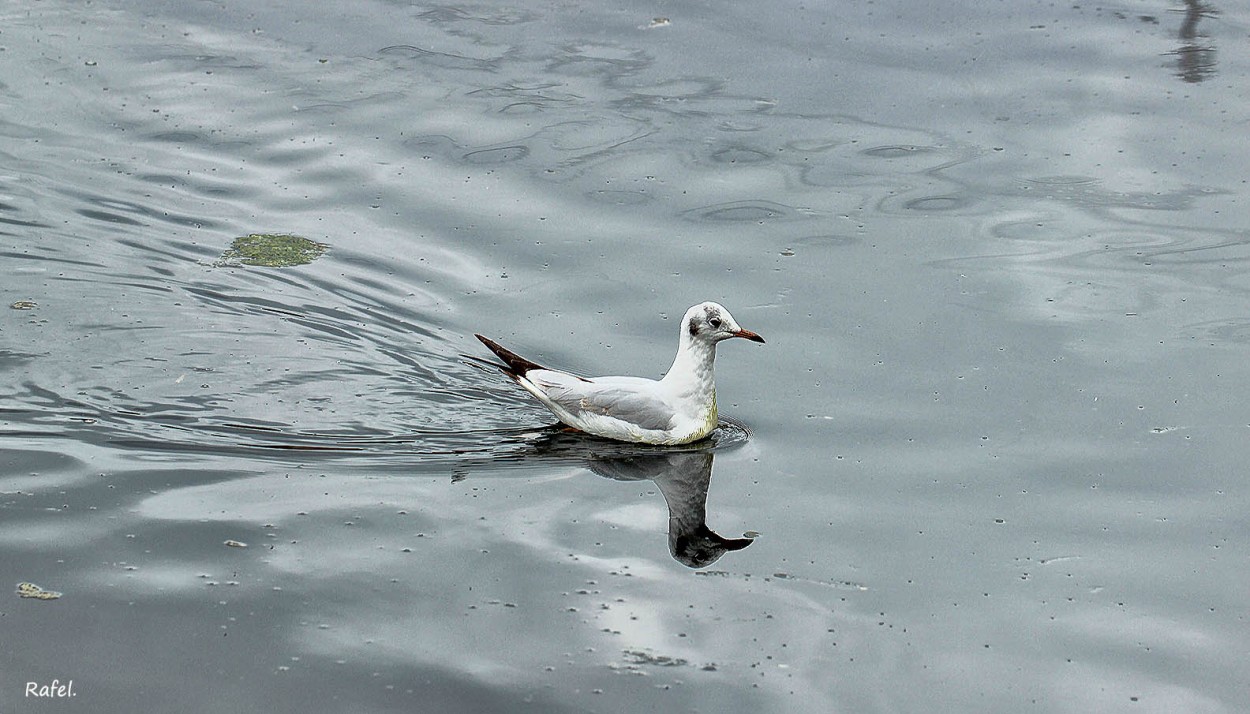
(990, 459)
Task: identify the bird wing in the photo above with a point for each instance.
(632, 400)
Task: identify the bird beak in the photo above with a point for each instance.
(749, 335)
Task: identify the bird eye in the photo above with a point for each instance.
(714, 322)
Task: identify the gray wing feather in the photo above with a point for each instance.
(633, 400)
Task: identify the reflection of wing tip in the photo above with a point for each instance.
(471, 359)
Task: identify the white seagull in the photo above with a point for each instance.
(678, 409)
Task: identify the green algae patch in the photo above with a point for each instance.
(272, 250)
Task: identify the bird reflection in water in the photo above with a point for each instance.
(683, 478)
(1195, 57)
(683, 475)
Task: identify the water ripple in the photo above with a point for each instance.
(756, 211)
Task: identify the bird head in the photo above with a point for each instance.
(712, 323)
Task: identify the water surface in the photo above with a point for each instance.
(988, 460)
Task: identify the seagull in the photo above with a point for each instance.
(678, 409)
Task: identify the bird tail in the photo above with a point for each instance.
(515, 365)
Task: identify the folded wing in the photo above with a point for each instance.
(632, 400)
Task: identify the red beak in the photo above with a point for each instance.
(749, 335)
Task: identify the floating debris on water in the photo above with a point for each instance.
(272, 250)
(33, 591)
(836, 584)
(658, 22)
(236, 544)
(24, 305)
(641, 657)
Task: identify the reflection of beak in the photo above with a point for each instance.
(749, 335)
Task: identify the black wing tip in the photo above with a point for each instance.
(516, 365)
